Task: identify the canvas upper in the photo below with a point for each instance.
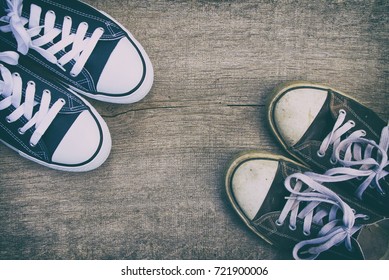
(324, 128)
(284, 204)
(46, 123)
(84, 48)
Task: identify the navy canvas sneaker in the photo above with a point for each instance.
(46, 123)
(84, 48)
(289, 206)
(324, 128)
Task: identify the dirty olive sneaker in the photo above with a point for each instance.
(324, 128)
(290, 207)
(86, 49)
(47, 124)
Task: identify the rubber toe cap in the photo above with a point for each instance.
(295, 111)
(251, 183)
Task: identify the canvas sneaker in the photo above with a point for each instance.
(291, 207)
(324, 128)
(46, 123)
(84, 48)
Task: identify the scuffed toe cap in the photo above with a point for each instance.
(251, 183)
(295, 111)
(80, 143)
(124, 70)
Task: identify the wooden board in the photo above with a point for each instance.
(161, 193)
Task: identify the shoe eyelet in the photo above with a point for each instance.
(321, 155)
(101, 29)
(20, 131)
(363, 132)
(278, 223)
(68, 18)
(62, 100)
(292, 228)
(51, 12)
(354, 212)
(366, 218)
(31, 83)
(8, 120)
(73, 75)
(351, 122)
(333, 161)
(342, 111)
(85, 23)
(306, 233)
(32, 145)
(16, 74)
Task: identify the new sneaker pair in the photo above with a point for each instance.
(340, 211)
(51, 52)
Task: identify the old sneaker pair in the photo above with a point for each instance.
(65, 48)
(338, 214)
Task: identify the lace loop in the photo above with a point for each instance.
(309, 202)
(334, 137)
(9, 57)
(357, 152)
(81, 44)
(11, 90)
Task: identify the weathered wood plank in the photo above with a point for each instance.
(161, 194)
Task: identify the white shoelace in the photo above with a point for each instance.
(321, 204)
(11, 91)
(357, 152)
(30, 38)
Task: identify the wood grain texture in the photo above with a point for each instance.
(161, 193)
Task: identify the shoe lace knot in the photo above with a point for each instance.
(49, 40)
(16, 25)
(315, 204)
(11, 93)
